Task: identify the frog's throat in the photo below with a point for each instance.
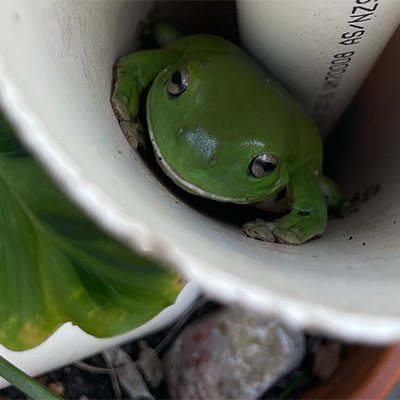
(193, 189)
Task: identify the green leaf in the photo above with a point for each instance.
(58, 266)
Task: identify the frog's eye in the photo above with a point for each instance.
(263, 165)
(178, 82)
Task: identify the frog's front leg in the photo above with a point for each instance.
(307, 218)
(132, 74)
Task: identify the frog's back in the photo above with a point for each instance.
(259, 95)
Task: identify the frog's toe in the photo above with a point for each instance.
(298, 233)
(120, 108)
(289, 236)
(270, 232)
(259, 230)
(133, 132)
(284, 230)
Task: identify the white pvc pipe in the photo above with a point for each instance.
(320, 50)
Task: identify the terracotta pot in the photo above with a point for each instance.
(365, 373)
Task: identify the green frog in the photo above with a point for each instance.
(221, 127)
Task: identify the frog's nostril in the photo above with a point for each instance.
(212, 161)
(180, 133)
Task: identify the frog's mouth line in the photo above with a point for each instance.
(193, 189)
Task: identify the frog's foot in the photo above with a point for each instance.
(122, 93)
(165, 34)
(351, 205)
(134, 133)
(291, 229)
(121, 103)
(259, 229)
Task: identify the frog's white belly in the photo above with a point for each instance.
(276, 204)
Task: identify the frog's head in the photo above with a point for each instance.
(221, 129)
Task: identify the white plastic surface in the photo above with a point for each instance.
(320, 50)
(69, 343)
(56, 63)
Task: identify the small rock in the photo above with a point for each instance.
(57, 388)
(231, 354)
(327, 359)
